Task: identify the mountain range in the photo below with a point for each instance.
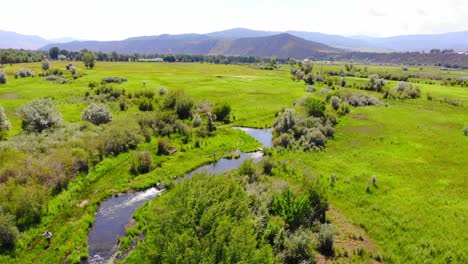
(246, 42)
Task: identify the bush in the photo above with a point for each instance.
(145, 104)
(8, 231)
(405, 90)
(285, 121)
(344, 109)
(162, 91)
(113, 80)
(314, 107)
(45, 65)
(326, 238)
(465, 130)
(118, 138)
(299, 246)
(142, 162)
(358, 99)
(23, 73)
(72, 70)
(375, 83)
(309, 79)
(55, 71)
(310, 89)
(97, 114)
(93, 84)
(184, 106)
(56, 79)
(247, 168)
(145, 93)
(3, 77)
(335, 102)
(222, 112)
(313, 138)
(325, 91)
(429, 97)
(268, 165)
(5, 124)
(39, 115)
(27, 204)
(163, 146)
(294, 208)
(197, 120)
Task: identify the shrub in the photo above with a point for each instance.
(247, 168)
(326, 238)
(335, 102)
(429, 97)
(113, 80)
(163, 146)
(92, 84)
(57, 72)
(222, 112)
(294, 208)
(162, 91)
(5, 124)
(465, 130)
(39, 115)
(343, 82)
(309, 79)
(145, 93)
(3, 77)
(142, 162)
(313, 138)
(375, 83)
(285, 121)
(56, 79)
(97, 114)
(118, 138)
(8, 231)
(451, 101)
(145, 104)
(72, 70)
(358, 99)
(310, 89)
(314, 107)
(344, 109)
(45, 65)
(27, 204)
(325, 91)
(268, 165)
(197, 120)
(299, 246)
(210, 124)
(184, 106)
(23, 73)
(405, 90)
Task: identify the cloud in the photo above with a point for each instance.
(377, 13)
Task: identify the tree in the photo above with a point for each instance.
(45, 65)
(39, 115)
(5, 124)
(89, 59)
(54, 52)
(97, 114)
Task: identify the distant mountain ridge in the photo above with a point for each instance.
(281, 45)
(192, 41)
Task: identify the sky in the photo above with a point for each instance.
(119, 19)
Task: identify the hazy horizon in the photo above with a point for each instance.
(116, 20)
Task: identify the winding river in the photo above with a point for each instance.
(115, 213)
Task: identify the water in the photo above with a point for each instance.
(264, 136)
(116, 212)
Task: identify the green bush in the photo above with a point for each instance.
(56, 79)
(23, 73)
(294, 208)
(184, 106)
(3, 77)
(39, 115)
(268, 165)
(465, 130)
(310, 89)
(118, 138)
(314, 107)
(326, 238)
(97, 114)
(344, 109)
(162, 91)
(5, 124)
(113, 80)
(145, 104)
(8, 231)
(299, 246)
(142, 162)
(335, 102)
(164, 146)
(404, 90)
(222, 112)
(247, 168)
(197, 120)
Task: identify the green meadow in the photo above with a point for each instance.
(414, 211)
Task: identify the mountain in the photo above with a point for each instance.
(14, 40)
(280, 45)
(453, 40)
(236, 33)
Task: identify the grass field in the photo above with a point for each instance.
(416, 149)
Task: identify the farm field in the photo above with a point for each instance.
(396, 172)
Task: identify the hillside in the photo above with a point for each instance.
(281, 46)
(10, 39)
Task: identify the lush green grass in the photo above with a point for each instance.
(415, 148)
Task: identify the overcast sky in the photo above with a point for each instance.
(119, 19)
